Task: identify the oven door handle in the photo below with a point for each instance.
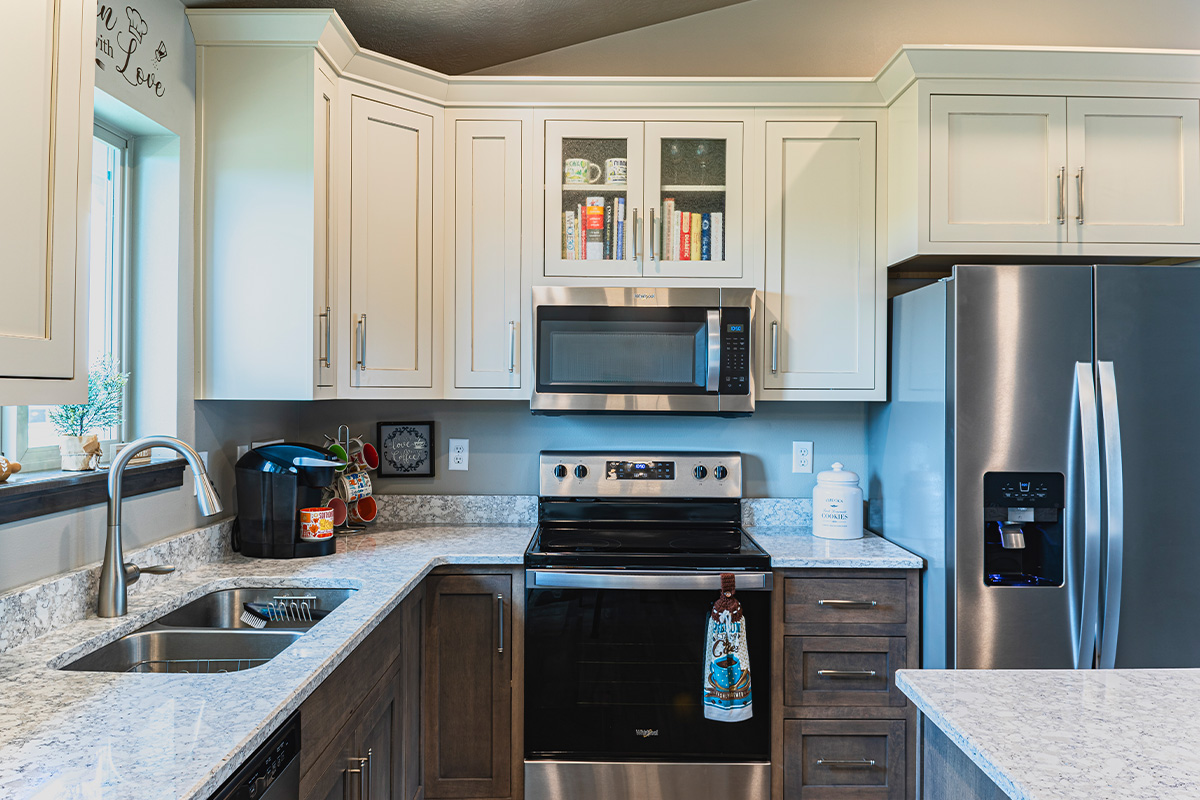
(626, 579)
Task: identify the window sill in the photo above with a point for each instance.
(42, 493)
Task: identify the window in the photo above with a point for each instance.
(26, 433)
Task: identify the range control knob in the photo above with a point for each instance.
(719, 473)
(560, 472)
(581, 471)
(700, 472)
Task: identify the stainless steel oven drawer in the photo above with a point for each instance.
(598, 780)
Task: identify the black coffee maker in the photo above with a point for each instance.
(273, 483)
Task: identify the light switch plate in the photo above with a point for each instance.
(802, 456)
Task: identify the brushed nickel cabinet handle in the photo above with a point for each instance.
(846, 673)
(859, 763)
(327, 355)
(843, 603)
(637, 239)
(362, 341)
(1062, 195)
(500, 621)
(653, 237)
(1079, 184)
(774, 347)
(366, 776)
(512, 345)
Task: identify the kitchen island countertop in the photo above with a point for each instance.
(1070, 734)
(178, 737)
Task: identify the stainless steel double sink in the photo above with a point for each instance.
(208, 635)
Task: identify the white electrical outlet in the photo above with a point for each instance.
(802, 456)
(460, 453)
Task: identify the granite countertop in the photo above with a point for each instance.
(1070, 734)
(171, 737)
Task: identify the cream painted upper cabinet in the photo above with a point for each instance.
(622, 199)
(1134, 169)
(821, 336)
(46, 173)
(488, 211)
(268, 224)
(1064, 170)
(997, 168)
(391, 309)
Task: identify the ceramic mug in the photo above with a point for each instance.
(353, 486)
(616, 171)
(340, 454)
(365, 510)
(340, 511)
(579, 170)
(316, 524)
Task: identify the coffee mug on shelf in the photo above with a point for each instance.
(316, 524)
(579, 170)
(616, 171)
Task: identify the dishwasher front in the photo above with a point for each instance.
(272, 772)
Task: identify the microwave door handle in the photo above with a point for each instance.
(713, 380)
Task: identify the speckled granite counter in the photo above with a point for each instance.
(1070, 735)
(173, 737)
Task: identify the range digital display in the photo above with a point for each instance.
(640, 470)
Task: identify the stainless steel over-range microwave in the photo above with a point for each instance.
(684, 351)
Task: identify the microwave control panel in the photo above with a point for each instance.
(735, 351)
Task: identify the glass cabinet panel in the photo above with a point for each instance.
(694, 182)
(593, 192)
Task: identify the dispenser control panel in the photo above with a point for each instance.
(1024, 489)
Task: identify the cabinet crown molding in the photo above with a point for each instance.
(319, 28)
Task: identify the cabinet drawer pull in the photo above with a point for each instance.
(846, 673)
(500, 621)
(858, 763)
(844, 603)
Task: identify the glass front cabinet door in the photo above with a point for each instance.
(643, 199)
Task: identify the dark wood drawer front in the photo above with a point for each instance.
(851, 759)
(842, 671)
(844, 601)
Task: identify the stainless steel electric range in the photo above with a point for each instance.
(620, 577)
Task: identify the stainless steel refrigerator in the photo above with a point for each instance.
(1040, 450)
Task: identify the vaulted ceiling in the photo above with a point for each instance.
(459, 36)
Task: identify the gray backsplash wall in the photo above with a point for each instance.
(505, 439)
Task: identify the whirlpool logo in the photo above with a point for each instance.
(645, 733)
(640, 296)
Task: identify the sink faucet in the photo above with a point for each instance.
(115, 574)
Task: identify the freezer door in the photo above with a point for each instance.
(1018, 335)
(1148, 329)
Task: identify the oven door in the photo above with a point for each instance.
(614, 668)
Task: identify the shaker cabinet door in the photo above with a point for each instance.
(45, 173)
(390, 330)
(997, 169)
(1134, 172)
(488, 213)
(824, 299)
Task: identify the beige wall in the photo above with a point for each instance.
(855, 38)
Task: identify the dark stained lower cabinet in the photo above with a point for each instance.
(842, 730)
(360, 729)
(469, 742)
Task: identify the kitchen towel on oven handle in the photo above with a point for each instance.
(727, 693)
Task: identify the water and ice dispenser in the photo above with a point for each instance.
(1023, 531)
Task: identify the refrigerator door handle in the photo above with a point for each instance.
(1089, 429)
(1115, 496)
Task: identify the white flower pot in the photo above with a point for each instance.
(79, 453)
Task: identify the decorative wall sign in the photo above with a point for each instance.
(406, 449)
(125, 44)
